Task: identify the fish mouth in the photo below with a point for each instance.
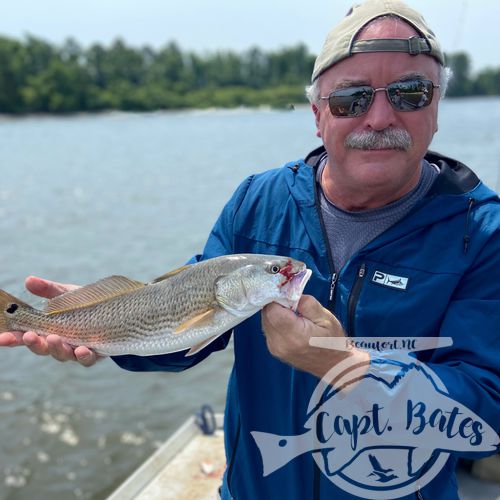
(293, 289)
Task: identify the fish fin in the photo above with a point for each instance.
(198, 347)
(234, 303)
(6, 299)
(198, 320)
(171, 273)
(95, 293)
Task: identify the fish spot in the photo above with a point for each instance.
(282, 443)
(12, 308)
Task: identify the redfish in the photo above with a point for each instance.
(186, 308)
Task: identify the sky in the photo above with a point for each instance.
(207, 26)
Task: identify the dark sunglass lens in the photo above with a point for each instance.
(410, 95)
(351, 101)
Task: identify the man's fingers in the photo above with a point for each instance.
(277, 316)
(36, 344)
(52, 345)
(85, 356)
(60, 350)
(312, 310)
(46, 288)
(11, 339)
(311, 320)
(309, 308)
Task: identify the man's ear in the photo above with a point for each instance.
(317, 118)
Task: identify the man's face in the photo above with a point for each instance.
(391, 170)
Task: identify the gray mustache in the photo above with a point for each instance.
(389, 138)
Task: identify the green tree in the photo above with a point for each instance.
(460, 84)
(255, 70)
(120, 63)
(38, 54)
(223, 69)
(12, 55)
(487, 82)
(96, 65)
(167, 66)
(290, 66)
(36, 76)
(60, 87)
(72, 52)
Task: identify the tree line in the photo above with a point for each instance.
(37, 76)
(486, 82)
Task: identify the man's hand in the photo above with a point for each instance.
(288, 335)
(52, 345)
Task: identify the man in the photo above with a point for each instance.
(371, 200)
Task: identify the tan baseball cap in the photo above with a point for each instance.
(341, 41)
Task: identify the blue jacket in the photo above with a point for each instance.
(448, 247)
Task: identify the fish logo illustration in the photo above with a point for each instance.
(377, 432)
(397, 282)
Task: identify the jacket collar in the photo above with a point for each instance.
(455, 181)
(454, 177)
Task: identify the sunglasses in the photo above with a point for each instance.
(408, 95)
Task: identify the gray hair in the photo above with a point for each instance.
(445, 73)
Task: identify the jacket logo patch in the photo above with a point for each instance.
(398, 282)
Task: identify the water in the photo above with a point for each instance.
(88, 196)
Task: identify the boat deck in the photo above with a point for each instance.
(189, 465)
(195, 473)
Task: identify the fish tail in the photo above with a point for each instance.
(8, 305)
(277, 451)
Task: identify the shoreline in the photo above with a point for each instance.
(209, 109)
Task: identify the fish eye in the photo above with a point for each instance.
(11, 309)
(274, 269)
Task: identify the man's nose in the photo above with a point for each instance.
(381, 114)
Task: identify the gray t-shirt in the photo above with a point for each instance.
(348, 232)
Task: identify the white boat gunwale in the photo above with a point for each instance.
(140, 479)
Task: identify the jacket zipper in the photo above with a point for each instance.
(425, 468)
(331, 306)
(333, 285)
(466, 238)
(333, 281)
(353, 300)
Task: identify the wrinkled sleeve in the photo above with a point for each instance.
(220, 242)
